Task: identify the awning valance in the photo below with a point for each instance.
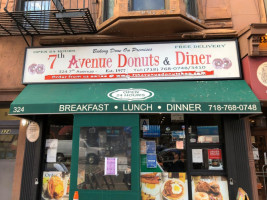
(230, 96)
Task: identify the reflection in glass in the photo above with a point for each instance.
(104, 158)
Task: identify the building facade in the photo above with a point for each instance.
(133, 99)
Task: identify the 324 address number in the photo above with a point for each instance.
(18, 109)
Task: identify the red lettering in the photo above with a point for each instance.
(178, 62)
(156, 60)
(52, 64)
(202, 59)
(186, 58)
(81, 63)
(208, 59)
(73, 61)
(88, 61)
(150, 59)
(109, 61)
(123, 63)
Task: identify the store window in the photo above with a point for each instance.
(147, 4)
(163, 158)
(182, 156)
(57, 162)
(104, 158)
(8, 142)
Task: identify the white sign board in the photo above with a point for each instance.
(133, 62)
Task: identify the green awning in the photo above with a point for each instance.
(231, 96)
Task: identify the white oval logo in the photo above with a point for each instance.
(262, 73)
(130, 94)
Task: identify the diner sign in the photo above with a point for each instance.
(132, 62)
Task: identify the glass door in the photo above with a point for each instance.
(105, 163)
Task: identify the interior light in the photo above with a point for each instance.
(24, 122)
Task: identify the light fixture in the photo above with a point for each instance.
(24, 122)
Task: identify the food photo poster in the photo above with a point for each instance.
(56, 185)
(163, 186)
(209, 187)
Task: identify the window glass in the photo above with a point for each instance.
(104, 158)
(108, 9)
(163, 158)
(191, 7)
(162, 144)
(148, 4)
(36, 5)
(57, 160)
(39, 20)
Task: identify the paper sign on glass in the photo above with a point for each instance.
(180, 144)
(142, 147)
(197, 155)
(52, 145)
(150, 147)
(151, 161)
(111, 166)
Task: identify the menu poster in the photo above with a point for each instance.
(111, 166)
(51, 145)
(209, 187)
(215, 159)
(56, 185)
(197, 156)
(159, 186)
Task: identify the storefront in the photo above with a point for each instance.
(9, 131)
(254, 63)
(136, 121)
